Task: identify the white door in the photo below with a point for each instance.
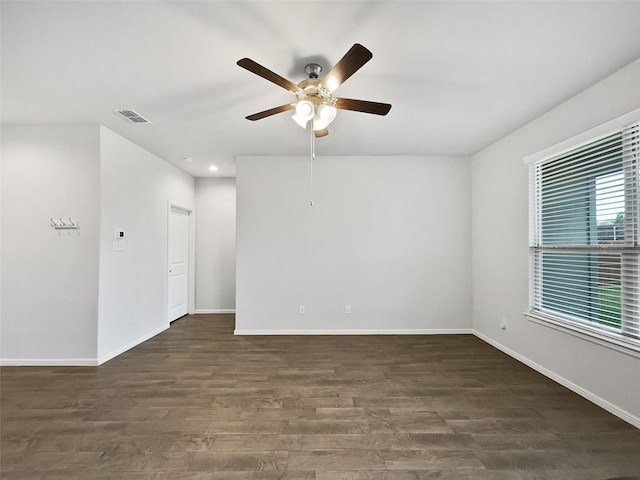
(178, 263)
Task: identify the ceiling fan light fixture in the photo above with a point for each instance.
(319, 124)
(305, 109)
(300, 120)
(325, 114)
(304, 112)
(332, 83)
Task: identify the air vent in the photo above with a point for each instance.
(132, 116)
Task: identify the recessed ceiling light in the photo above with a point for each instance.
(213, 168)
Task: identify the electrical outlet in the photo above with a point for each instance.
(503, 323)
(347, 309)
(301, 309)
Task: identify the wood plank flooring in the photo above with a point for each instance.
(196, 402)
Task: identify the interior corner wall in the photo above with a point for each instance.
(387, 236)
(136, 188)
(500, 252)
(215, 245)
(50, 277)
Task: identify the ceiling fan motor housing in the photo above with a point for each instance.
(312, 91)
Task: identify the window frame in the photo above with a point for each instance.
(610, 337)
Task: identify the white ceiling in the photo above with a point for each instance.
(460, 75)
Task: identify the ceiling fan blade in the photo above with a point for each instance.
(321, 133)
(271, 111)
(267, 74)
(352, 61)
(363, 106)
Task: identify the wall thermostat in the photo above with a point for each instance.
(119, 235)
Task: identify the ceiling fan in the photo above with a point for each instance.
(315, 102)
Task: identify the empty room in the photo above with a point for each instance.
(309, 240)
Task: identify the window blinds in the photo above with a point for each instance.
(584, 237)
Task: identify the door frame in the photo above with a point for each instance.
(191, 294)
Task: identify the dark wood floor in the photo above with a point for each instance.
(198, 403)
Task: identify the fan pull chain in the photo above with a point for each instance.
(313, 157)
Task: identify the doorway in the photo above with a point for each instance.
(178, 262)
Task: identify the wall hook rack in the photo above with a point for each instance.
(61, 224)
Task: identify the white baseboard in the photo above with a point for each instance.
(205, 311)
(49, 362)
(446, 331)
(592, 397)
(118, 351)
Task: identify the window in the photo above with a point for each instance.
(584, 236)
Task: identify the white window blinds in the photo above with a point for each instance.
(585, 238)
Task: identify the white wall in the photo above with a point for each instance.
(136, 187)
(215, 245)
(50, 278)
(388, 236)
(500, 251)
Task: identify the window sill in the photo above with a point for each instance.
(612, 341)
